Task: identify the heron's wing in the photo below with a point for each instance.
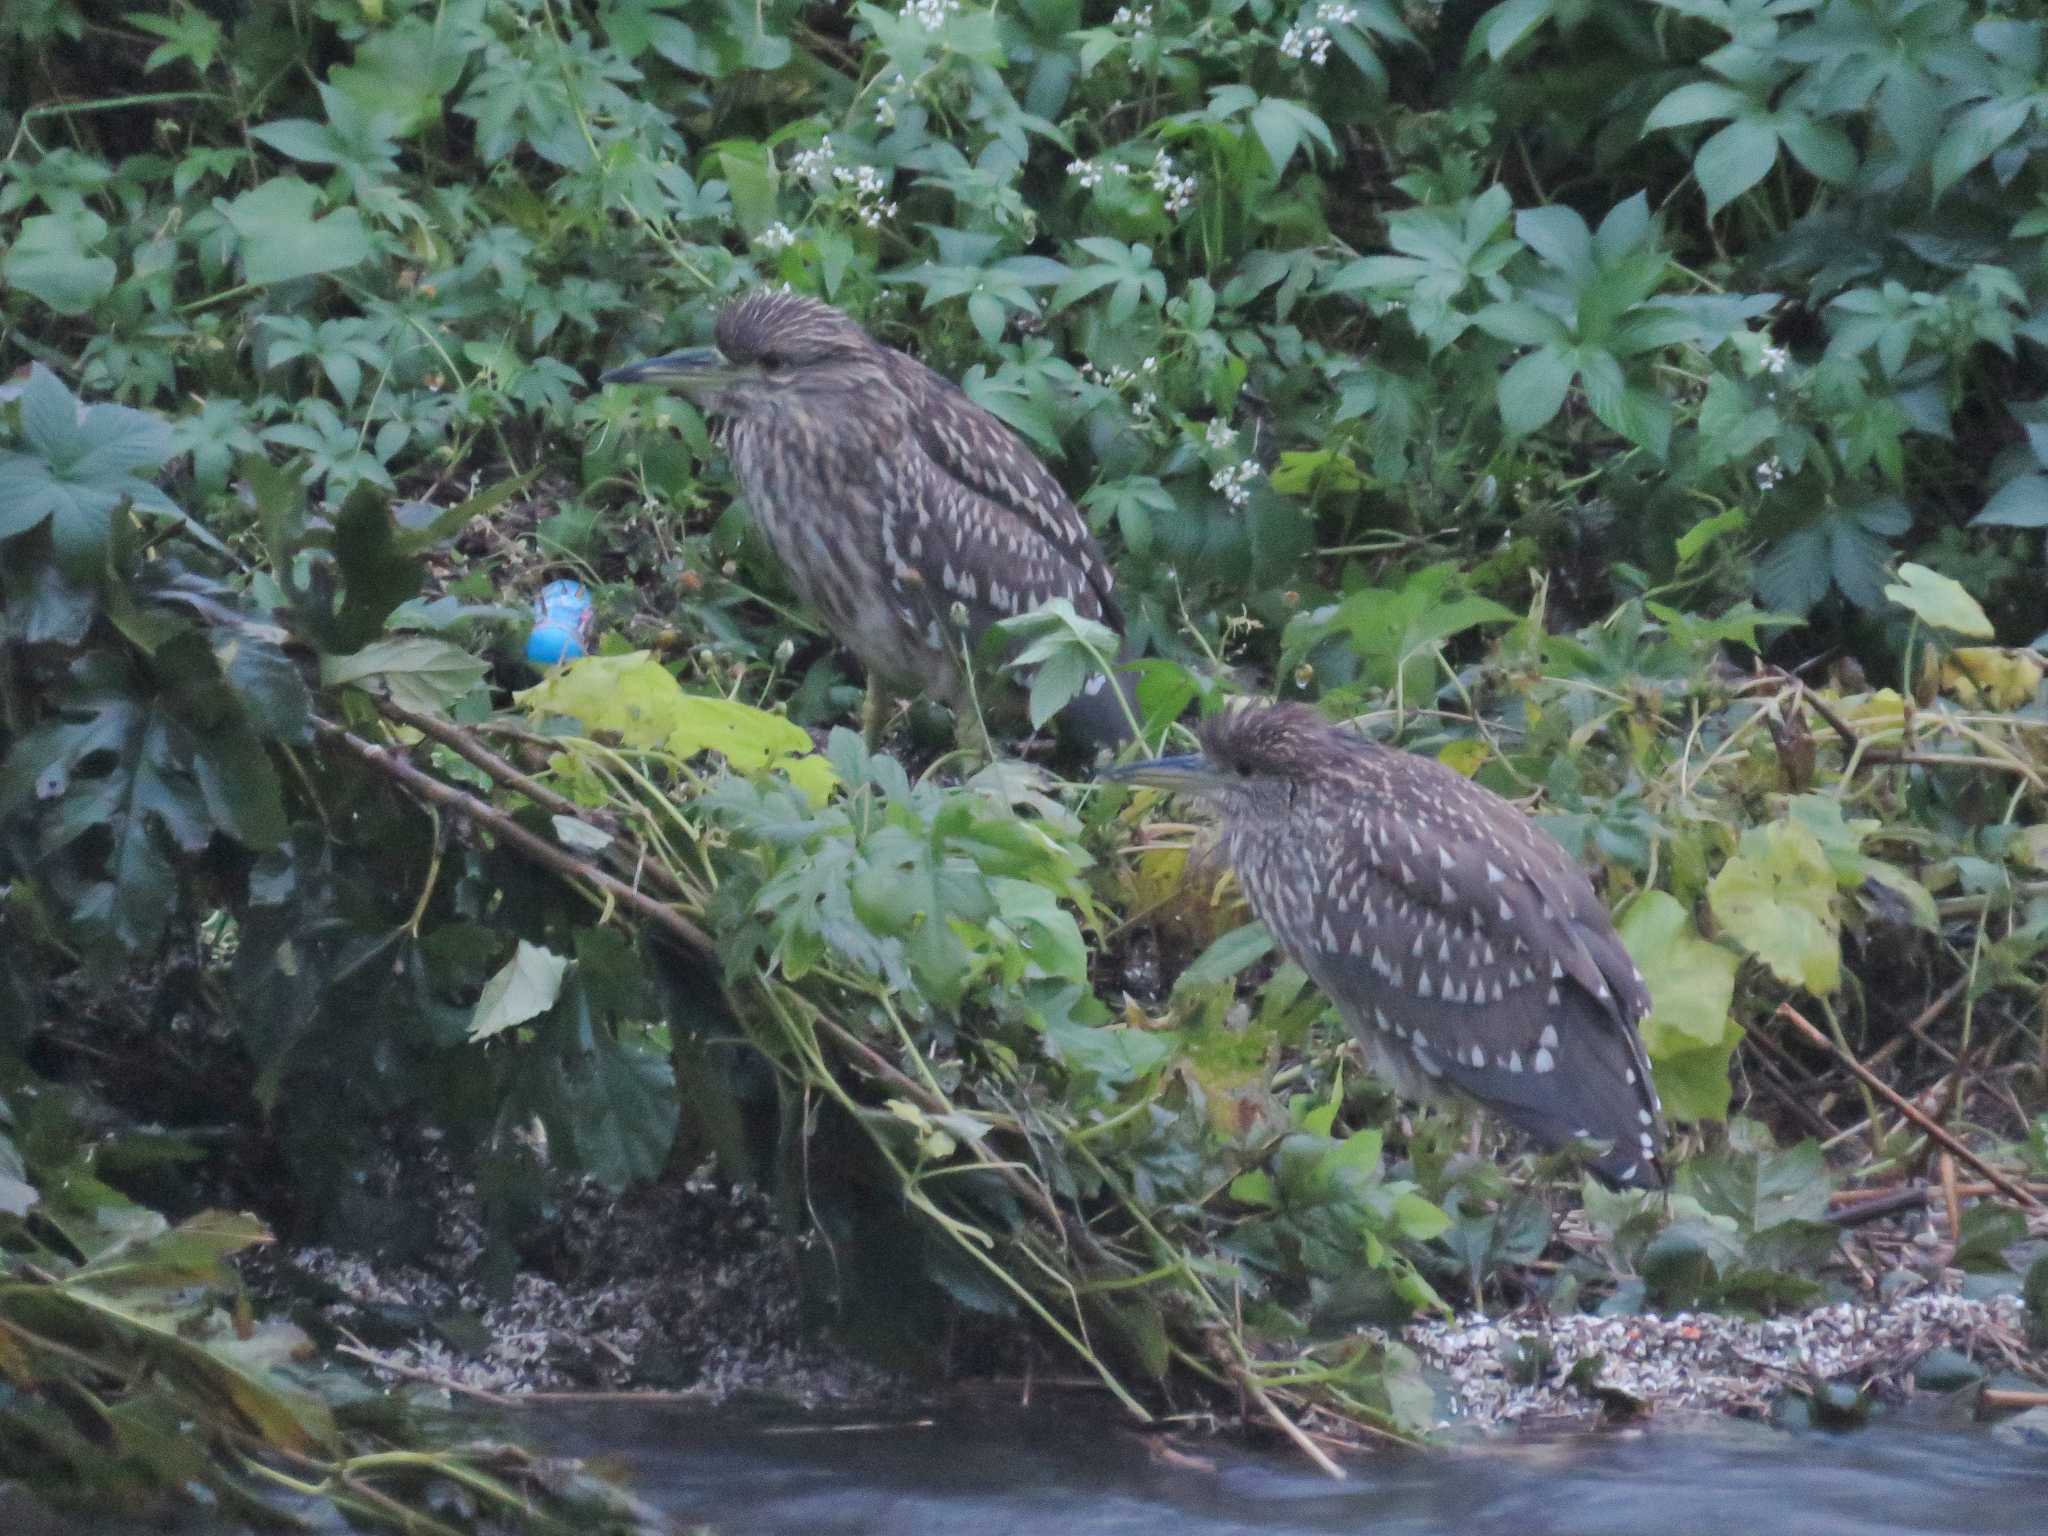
(945, 544)
(1468, 940)
(971, 447)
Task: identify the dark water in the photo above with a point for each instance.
(1057, 1470)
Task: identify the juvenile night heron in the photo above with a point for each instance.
(1460, 942)
(906, 516)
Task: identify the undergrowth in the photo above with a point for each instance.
(1634, 405)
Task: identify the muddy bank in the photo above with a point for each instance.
(685, 1285)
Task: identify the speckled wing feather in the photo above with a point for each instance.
(959, 546)
(1468, 949)
(972, 448)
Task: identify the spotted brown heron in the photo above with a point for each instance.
(906, 516)
(1464, 947)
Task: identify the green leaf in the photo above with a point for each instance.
(1689, 1034)
(281, 239)
(80, 465)
(1419, 1220)
(1974, 136)
(525, 987)
(1533, 391)
(421, 673)
(2022, 502)
(1507, 24)
(1691, 982)
(1699, 102)
(1227, 956)
(51, 259)
(1298, 473)
(1734, 160)
(1776, 898)
(1939, 602)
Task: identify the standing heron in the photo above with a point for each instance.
(907, 517)
(1464, 947)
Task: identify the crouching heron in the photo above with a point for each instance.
(1460, 942)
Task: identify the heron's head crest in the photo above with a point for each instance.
(772, 328)
(1286, 741)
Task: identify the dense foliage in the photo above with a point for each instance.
(1638, 405)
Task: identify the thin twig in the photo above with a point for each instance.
(2008, 1397)
(424, 785)
(626, 851)
(358, 1350)
(1813, 701)
(1910, 1110)
(1284, 1424)
(466, 746)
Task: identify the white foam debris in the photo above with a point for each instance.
(1700, 1360)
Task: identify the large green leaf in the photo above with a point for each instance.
(1689, 1034)
(281, 238)
(423, 674)
(1776, 898)
(77, 465)
(52, 259)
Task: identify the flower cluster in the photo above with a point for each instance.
(863, 186)
(1178, 190)
(1313, 42)
(1776, 358)
(1092, 173)
(776, 237)
(1175, 190)
(1768, 474)
(1235, 482)
(1219, 434)
(930, 14)
(1137, 18)
(1137, 382)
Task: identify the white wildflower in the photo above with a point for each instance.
(1235, 482)
(1334, 15)
(813, 163)
(1219, 434)
(1311, 43)
(777, 237)
(1134, 382)
(1177, 190)
(860, 187)
(930, 14)
(1137, 18)
(1768, 474)
(1775, 359)
(1087, 172)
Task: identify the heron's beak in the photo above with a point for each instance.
(696, 369)
(1192, 774)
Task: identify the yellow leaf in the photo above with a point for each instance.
(635, 698)
(1884, 709)
(2006, 679)
(1463, 756)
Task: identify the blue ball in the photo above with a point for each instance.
(553, 642)
(562, 623)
